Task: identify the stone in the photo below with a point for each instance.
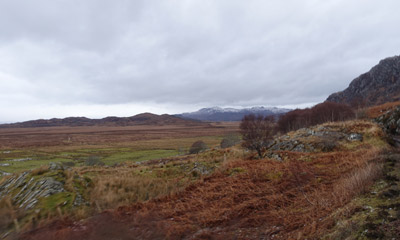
(274, 156)
(55, 166)
(78, 200)
(2, 173)
(299, 148)
(355, 137)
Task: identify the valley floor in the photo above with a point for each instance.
(305, 195)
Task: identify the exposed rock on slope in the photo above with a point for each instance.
(381, 84)
(29, 191)
(390, 121)
(323, 138)
(35, 195)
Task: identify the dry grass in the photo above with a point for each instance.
(288, 200)
(124, 188)
(7, 214)
(357, 182)
(72, 138)
(40, 170)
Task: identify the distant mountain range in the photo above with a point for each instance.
(380, 85)
(188, 119)
(140, 119)
(217, 114)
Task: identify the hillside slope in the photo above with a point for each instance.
(378, 86)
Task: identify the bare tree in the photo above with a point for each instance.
(257, 132)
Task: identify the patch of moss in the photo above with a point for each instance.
(234, 171)
(137, 156)
(274, 175)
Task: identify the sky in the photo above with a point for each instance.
(99, 58)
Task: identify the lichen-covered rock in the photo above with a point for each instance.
(55, 166)
(355, 137)
(200, 169)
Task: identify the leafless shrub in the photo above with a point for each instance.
(257, 132)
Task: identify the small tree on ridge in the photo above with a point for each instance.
(257, 132)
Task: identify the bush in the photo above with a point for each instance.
(68, 164)
(93, 161)
(197, 147)
(230, 141)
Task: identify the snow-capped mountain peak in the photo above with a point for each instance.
(231, 114)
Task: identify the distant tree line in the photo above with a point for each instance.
(320, 113)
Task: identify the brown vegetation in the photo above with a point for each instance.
(73, 137)
(40, 170)
(244, 199)
(376, 111)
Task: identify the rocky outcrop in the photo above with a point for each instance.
(26, 192)
(322, 138)
(390, 121)
(380, 85)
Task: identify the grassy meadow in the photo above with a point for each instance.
(166, 143)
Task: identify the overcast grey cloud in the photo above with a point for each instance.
(100, 57)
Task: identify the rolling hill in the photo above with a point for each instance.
(140, 119)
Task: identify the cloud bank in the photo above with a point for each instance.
(98, 58)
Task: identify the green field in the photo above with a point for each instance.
(18, 160)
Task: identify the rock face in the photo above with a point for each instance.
(380, 85)
(390, 121)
